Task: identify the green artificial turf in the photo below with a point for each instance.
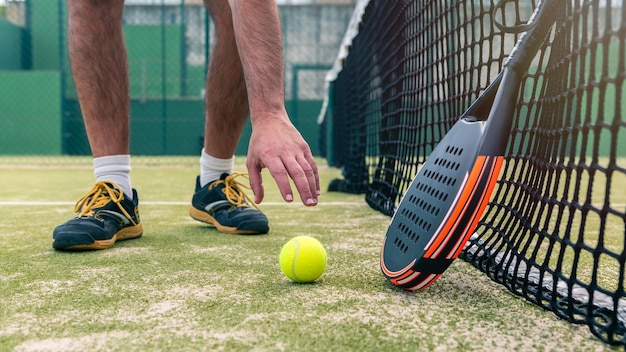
(185, 287)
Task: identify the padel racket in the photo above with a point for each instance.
(444, 202)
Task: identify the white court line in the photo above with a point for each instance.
(27, 203)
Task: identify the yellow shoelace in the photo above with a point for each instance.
(99, 196)
(232, 190)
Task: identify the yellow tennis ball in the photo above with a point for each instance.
(303, 259)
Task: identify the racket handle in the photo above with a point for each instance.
(530, 41)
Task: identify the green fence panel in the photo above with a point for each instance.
(150, 75)
(10, 46)
(34, 126)
(45, 27)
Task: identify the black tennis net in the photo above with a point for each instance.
(555, 229)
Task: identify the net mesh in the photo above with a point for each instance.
(555, 228)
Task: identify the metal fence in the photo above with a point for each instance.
(169, 44)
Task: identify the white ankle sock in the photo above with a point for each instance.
(114, 168)
(212, 168)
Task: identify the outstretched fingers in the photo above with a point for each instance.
(301, 170)
(304, 174)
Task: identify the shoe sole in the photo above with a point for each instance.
(208, 219)
(127, 233)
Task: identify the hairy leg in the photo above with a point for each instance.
(100, 69)
(226, 97)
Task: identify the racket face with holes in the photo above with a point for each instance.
(442, 206)
(426, 231)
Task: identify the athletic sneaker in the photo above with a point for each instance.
(104, 215)
(224, 205)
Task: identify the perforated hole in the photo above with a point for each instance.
(419, 222)
(454, 150)
(402, 248)
(409, 234)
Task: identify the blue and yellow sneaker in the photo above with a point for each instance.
(224, 205)
(104, 215)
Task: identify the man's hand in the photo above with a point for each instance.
(277, 145)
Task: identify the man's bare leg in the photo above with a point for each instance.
(219, 203)
(100, 69)
(226, 97)
(105, 215)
